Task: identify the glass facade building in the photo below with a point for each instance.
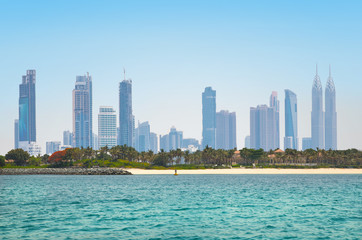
(291, 120)
(209, 118)
(16, 134)
(82, 112)
(27, 109)
(107, 127)
(225, 130)
(126, 121)
(264, 125)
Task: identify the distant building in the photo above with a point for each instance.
(107, 127)
(95, 142)
(33, 149)
(67, 138)
(82, 112)
(274, 103)
(225, 130)
(171, 141)
(186, 142)
(264, 125)
(63, 147)
(175, 139)
(247, 142)
(52, 147)
(330, 115)
(209, 118)
(27, 110)
(143, 134)
(126, 119)
(153, 142)
(306, 143)
(16, 134)
(317, 114)
(164, 143)
(291, 120)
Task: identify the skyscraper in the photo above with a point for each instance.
(291, 120)
(225, 130)
(107, 127)
(260, 132)
(330, 115)
(264, 125)
(27, 110)
(82, 112)
(317, 114)
(209, 118)
(16, 134)
(274, 103)
(126, 124)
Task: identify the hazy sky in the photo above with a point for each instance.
(172, 50)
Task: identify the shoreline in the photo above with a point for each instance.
(136, 171)
(64, 171)
(139, 171)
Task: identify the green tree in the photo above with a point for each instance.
(18, 155)
(2, 161)
(161, 159)
(44, 158)
(34, 161)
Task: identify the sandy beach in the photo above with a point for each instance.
(250, 171)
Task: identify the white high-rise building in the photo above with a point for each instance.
(317, 114)
(330, 115)
(107, 127)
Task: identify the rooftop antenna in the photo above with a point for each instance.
(124, 73)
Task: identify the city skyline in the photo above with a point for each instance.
(264, 120)
(238, 53)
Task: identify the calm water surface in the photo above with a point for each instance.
(182, 207)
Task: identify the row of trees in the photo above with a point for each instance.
(206, 157)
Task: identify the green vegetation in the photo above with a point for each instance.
(128, 157)
(2, 161)
(18, 155)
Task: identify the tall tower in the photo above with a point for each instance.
(107, 127)
(291, 120)
(27, 109)
(82, 112)
(331, 114)
(317, 113)
(274, 103)
(126, 124)
(209, 118)
(225, 130)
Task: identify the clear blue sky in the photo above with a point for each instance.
(172, 50)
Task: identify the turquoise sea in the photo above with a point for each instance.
(181, 207)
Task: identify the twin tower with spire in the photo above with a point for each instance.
(324, 122)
